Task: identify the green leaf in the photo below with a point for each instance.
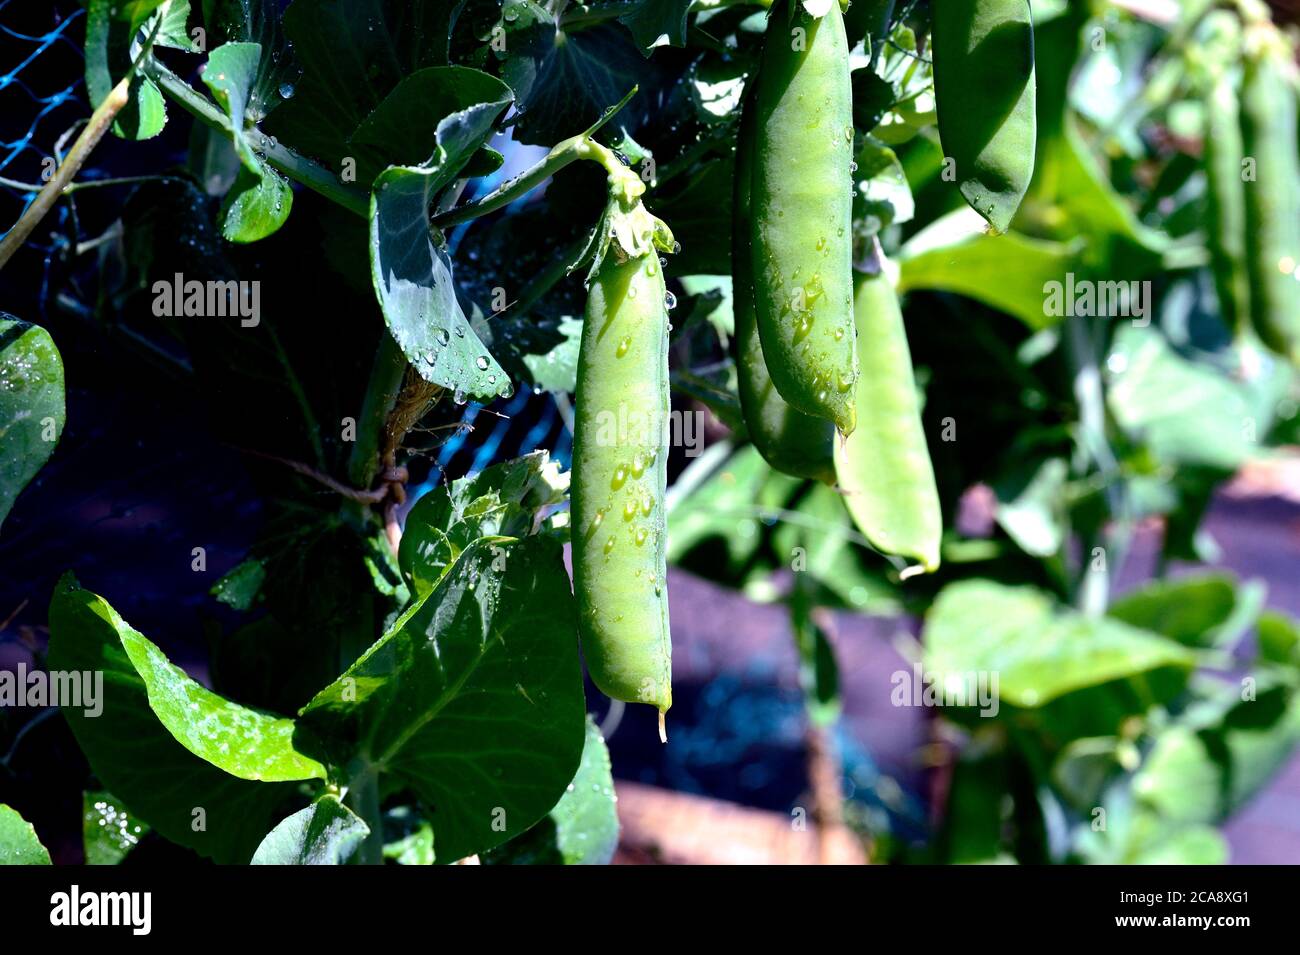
(186, 798)
(819, 674)
(882, 194)
(352, 54)
(1032, 511)
(108, 830)
(564, 81)
(406, 128)
(260, 200)
(325, 833)
(954, 255)
(582, 829)
(109, 40)
(1186, 413)
(1039, 651)
(19, 844)
(239, 588)
(557, 369)
(255, 21)
(1279, 638)
(1180, 779)
(31, 405)
(504, 500)
(173, 31)
(414, 846)
(410, 268)
(1134, 836)
(473, 698)
(715, 509)
(1193, 610)
(246, 743)
(656, 23)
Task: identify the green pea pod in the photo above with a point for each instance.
(983, 53)
(802, 208)
(884, 467)
(1268, 123)
(620, 462)
(1226, 195)
(790, 441)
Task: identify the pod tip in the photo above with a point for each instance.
(663, 727)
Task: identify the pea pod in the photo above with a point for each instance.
(1226, 195)
(983, 54)
(884, 467)
(802, 210)
(620, 457)
(1268, 123)
(790, 441)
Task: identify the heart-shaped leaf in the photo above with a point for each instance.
(410, 267)
(19, 844)
(185, 796)
(260, 201)
(325, 833)
(503, 500)
(31, 405)
(473, 698)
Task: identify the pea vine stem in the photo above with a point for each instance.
(101, 120)
(297, 167)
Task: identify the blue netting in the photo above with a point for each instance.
(36, 138)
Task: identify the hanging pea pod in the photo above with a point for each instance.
(802, 209)
(984, 85)
(792, 442)
(1226, 194)
(620, 458)
(1268, 124)
(884, 467)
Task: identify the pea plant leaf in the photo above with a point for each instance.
(31, 405)
(564, 81)
(351, 56)
(656, 23)
(109, 36)
(503, 500)
(255, 21)
(259, 202)
(1041, 652)
(473, 698)
(108, 829)
(1187, 413)
(19, 844)
(185, 793)
(954, 254)
(410, 267)
(325, 833)
(582, 829)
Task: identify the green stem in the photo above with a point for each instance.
(381, 394)
(296, 167)
(582, 146)
(363, 799)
